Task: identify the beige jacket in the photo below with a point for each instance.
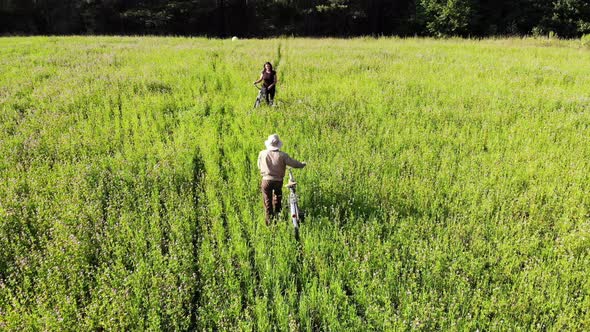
(272, 164)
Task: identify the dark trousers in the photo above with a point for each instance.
(272, 195)
(270, 95)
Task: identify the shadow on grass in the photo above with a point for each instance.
(198, 192)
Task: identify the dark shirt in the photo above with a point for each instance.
(268, 78)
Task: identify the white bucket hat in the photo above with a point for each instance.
(273, 142)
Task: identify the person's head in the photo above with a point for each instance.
(268, 66)
(273, 142)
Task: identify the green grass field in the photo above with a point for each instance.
(447, 186)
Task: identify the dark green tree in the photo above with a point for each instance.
(569, 18)
(245, 18)
(446, 17)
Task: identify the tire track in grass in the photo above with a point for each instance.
(222, 241)
(236, 236)
(300, 259)
(249, 244)
(241, 236)
(220, 128)
(222, 169)
(278, 60)
(198, 166)
(208, 185)
(299, 281)
(297, 269)
(206, 247)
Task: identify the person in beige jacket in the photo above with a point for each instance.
(272, 164)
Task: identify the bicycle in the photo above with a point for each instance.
(297, 216)
(261, 95)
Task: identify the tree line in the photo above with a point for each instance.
(251, 18)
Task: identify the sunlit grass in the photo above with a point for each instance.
(447, 185)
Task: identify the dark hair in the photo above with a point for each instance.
(267, 63)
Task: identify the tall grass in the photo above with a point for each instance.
(446, 188)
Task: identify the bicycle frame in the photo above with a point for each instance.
(293, 203)
(261, 95)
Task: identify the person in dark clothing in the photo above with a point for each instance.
(269, 79)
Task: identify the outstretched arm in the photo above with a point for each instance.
(294, 163)
(259, 80)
